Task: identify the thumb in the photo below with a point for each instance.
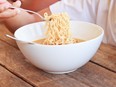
(17, 3)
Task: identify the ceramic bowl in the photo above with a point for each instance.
(59, 59)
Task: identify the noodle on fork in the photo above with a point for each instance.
(58, 29)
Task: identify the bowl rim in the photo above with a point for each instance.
(100, 28)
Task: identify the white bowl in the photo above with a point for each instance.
(59, 59)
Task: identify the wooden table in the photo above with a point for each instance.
(15, 71)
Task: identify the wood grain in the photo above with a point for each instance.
(99, 72)
(88, 76)
(64, 82)
(95, 76)
(17, 64)
(106, 57)
(7, 79)
(3, 31)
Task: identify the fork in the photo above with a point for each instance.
(30, 11)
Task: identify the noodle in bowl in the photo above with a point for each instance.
(59, 59)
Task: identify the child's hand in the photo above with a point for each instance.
(5, 12)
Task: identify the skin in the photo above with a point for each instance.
(18, 19)
(14, 19)
(37, 5)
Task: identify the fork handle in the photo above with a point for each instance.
(30, 11)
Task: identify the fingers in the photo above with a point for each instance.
(8, 13)
(17, 3)
(4, 6)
